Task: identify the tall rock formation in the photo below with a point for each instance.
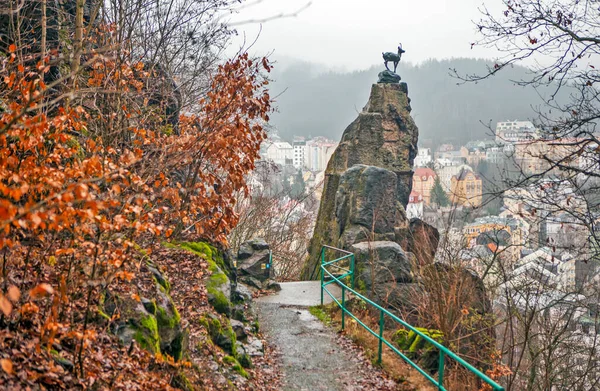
(369, 177)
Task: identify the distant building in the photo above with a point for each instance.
(279, 152)
(504, 233)
(466, 189)
(473, 155)
(539, 156)
(423, 158)
(498, 153)
(423, 181)
(300, 152)
(454, 156)
(445, 173)
(515, 131)
(319, 151)
(445, 148)
(414, 208)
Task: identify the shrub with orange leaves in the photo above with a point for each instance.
(79, 208)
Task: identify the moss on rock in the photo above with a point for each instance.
(236, 366)
(220, 333)
(217, 285)
(146, 333)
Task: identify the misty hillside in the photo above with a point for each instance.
(313, 102)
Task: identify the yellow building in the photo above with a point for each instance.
(538, 156)
(423, 181)
(473, 156)
(466, 189)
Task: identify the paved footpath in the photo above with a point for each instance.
(313, 356)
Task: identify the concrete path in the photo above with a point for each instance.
(313, 356)
(302, 293)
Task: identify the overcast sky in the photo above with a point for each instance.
(351, 34)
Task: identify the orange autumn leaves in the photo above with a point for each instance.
(80, 209)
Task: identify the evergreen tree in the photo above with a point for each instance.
(287, 188)
(438, 195)
(298, 187)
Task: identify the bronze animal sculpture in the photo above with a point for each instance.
(394, 57)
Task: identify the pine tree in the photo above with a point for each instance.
(298, 187)
(438, 195)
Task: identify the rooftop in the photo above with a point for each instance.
(424, 172)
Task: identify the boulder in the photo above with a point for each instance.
(218, 287)
(377, 263)
(421, 239)
(253, 262)
(239, 330)
(241, 294)
(172, 335)
(220, 331)
(402, 298)
(255, 348)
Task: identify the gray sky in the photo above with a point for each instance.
(351, 34)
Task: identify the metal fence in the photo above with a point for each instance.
(345, 265)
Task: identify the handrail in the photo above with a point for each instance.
(444, 351)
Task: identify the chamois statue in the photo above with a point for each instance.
(394, 57)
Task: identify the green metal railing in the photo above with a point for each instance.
(348, 273)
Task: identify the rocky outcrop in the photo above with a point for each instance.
(369, 177)
(367, 184)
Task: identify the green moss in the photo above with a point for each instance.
(245, 360)
(236, 365)
(220, 333)
(163, 284)
(216, 266)
(167, 129)
(210, 253)
(103, 314)
(147, 334)
(219, 302)
(181, 381)
(417, 348)
(166, 321)
(229, 360)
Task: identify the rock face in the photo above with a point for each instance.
(369, 177)
(254, 265)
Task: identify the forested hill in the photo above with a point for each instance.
(314, 102)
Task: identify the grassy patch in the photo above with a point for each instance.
(320, 313)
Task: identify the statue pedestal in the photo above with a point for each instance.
(388, 77)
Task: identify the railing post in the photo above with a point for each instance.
(441, 371)
(379, 351)
(322, 271)
(352, 270)
(343, 306)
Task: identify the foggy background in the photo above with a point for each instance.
(328, 55)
